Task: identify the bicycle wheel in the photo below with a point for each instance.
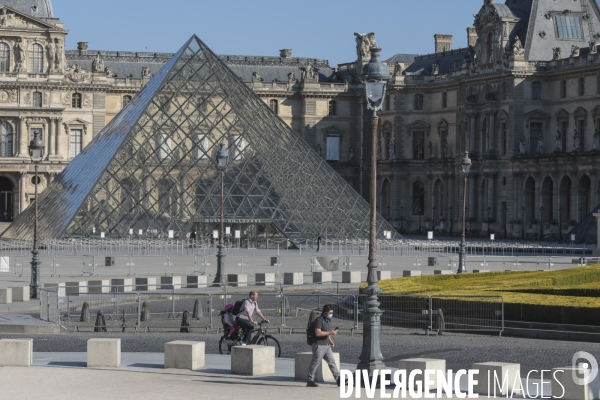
(269, 340)
(225, 345)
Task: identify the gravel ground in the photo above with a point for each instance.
(460, 350)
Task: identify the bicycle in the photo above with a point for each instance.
(260, 338)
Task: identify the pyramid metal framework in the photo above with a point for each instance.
(153, 166)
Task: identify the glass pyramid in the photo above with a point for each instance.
(153, 167)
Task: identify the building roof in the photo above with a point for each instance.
(35, 8)
(445, 61)
(124, 64)
(403, 58)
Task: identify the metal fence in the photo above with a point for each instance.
(288, 313)
(50, 305)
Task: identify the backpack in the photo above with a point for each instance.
(237, 307)
(310, 329)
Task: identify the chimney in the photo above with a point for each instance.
(285, 53)
(82, 46)
(442, 43)
(471, 36)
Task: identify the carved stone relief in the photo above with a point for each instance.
(76, 73)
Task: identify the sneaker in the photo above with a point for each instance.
(242, 343)
(311, 384)
(338, 381)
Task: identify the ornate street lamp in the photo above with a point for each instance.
(542, 223)
(376, 76)
(36, 152)
(462, 252)
(523, 219)
(222, 162)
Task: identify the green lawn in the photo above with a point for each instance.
(574, 287)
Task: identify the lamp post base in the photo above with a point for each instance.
(371, 358)
(34, 286)
(462, 258)
(220, 277)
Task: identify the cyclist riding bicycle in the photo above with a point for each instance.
(245, 319)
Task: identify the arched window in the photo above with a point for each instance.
(274, 106)
(418, 102)
(536, 90)
(4, 57)
(76, 100)
(126, 100)
(333, 107)
(37, 99)
(6, 139)
(36, 59)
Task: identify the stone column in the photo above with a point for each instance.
(472, 132)
(22, 194)
(492, 145)
(57, 121)
(23, 136)
(490, 194)
(51, 137)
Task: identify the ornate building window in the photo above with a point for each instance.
(536, 133)
(36, 59)
(6, 139)
(274, 104)
(4, 57)
(581, 86)
(387, 103)
(238, 146)
(201, 147)
(418, 102)
(563, 88)
(76, 100)
(536, 90)
(37, 99)
(419, 145)
(332, 107)
(126, 100)
(165, 146)
(444, 100)
(568, 27)
(503, 138)
(75, 142)
(333, 148)
(418, 197)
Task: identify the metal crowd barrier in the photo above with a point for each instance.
(50, 305)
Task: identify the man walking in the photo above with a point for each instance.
(319, 242)
(322, 344)
(244, 318)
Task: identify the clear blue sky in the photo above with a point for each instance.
(316, 29)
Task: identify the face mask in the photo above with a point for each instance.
(330, 315)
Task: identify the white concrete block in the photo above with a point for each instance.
(253, 360)
(60, 286)
(508, 371)
(481, 271)
(121, 285)
(411, 273)
(293, 278)
(351, 277)
(6, 296)
(99, 286)
(265, 279)
(323, 374)
(238, 280)
(182, 354)
(564, 386)
(103, 353)
(146, 284)
(442, 272)
(410, 364)
(197, 281)
(383, 275)
(16, 352)
(20, 293)
(320, 277)
(168, 282)
(76, 288)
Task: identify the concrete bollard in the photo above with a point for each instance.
(320, 277)
(253, 360)
(145, 284)
(565, 387)
(99, 286)
(121, 285)
(16, 352)
(182, 354)
(85, 313)
(351, 277)
(20, 293)
(508, 371)
(145, 315)
(442, 272)
(103, 353)
(293, 278)
(197, 312)
(76, 288)
(169, 282)
(237, 280)
(480, 271)
(197, 281)
(411, 364)
(265, 279)
(383, 275)
(411, 273)
(6, 296)
(323, 373)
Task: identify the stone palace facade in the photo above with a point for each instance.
(523, 98)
